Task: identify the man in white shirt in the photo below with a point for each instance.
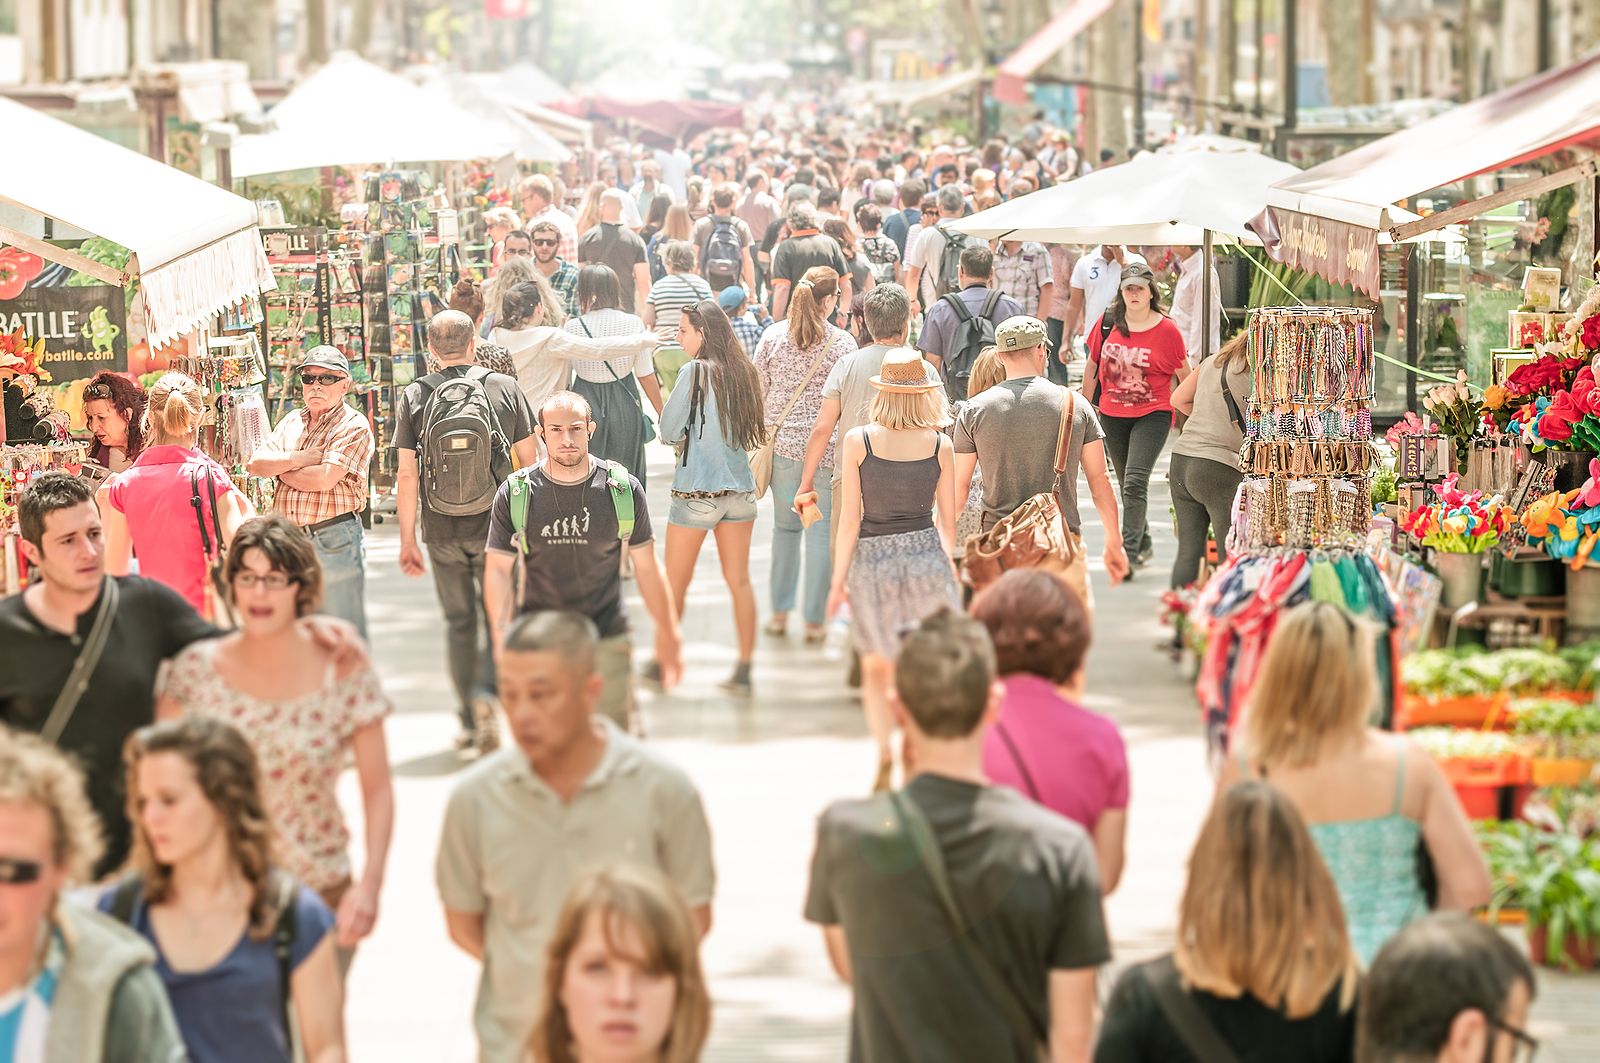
(1095, 281)
(1188, 299)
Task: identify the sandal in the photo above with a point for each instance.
(777, 627)
(816, 634)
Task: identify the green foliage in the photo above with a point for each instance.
(1554, 878)
(1558, 728)
(1384, 488)
(1458, 743)
(1471, 670)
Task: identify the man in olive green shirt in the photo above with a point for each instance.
(572, 792)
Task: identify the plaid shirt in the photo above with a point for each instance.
(1022, 274)
(749, 331)
(565, 281)
(345, 439)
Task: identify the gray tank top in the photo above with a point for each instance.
(897, 496)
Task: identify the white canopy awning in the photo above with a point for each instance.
(352, 112)
(530, 140)
(195, 247)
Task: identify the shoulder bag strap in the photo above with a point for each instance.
(1069, 405)
(1235, 414)
(816, 363)
(94, 647)
(216, 521)
(129, 887)
(1023, 1022)
(199, 512)
(1189, 1022)
(283, 935)
(1016, 758)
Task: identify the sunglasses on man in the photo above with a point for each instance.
(545, 243)
(321, 380)
(14, 872)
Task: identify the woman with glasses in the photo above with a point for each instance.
(113, 407)
(715, 419)
(1262, 954)
(304, 714)
(169, 506)
(1375, 801)
(794, 358)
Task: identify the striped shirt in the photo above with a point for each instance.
(605, 324)
(345, 439)
(670, 295)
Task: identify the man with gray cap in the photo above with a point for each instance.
(1011, 431)
(319, 455)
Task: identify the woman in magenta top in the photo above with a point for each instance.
(149, 510)
(1044, 743)
(1136, 356)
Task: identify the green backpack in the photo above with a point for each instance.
(621, 500)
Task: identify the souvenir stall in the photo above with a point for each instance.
(1303, 522)
(318, 301)
(33, 439)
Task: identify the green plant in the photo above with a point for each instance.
(1553, 878)
(1384, 488)
(1565, 809)
(1558, 728)
(1472, 670)
(1583, 666)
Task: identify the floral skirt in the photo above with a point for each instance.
(895, 582)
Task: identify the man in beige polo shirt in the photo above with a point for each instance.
(572, 792)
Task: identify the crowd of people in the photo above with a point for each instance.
(789, 316)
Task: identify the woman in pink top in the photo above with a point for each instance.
(1044, 743)
(149, 510)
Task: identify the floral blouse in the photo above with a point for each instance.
(300, 745)
(783, 367)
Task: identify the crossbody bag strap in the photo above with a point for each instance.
(284, 932)
(816, 363)
(216, 521)
(94, 647)
(1190, 1023)
(199, 512)
(1020, 1017)
(1016, 758)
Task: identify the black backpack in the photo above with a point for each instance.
(465, 457)
(720, 258)
(948, 278)
(971, 336)
(883, 258)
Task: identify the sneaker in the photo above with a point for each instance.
(739, 682)
(485, 723)
(650, 674)
(1144, 557)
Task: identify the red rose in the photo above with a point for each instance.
(1584, 394)
(1555, 426)
(1591, 332)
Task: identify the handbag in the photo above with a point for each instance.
(761, 457)
(1199, 1036)
(1036, 534)
(1025, 1024)
(216, 597)
(83, 666)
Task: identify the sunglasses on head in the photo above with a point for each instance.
(325, 380)
(16, 872)
(97, 391)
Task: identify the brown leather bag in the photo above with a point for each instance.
(1035, 535)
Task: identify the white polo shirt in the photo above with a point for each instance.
(1100, 278)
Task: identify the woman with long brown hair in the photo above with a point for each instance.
(1369, 795)
(239, 944)
(1262, 953)
(1205, 460)
(676, 226)
(714, 415)
(113, 409)
(624, 980)
(794, 358)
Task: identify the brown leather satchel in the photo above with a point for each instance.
(1035, 535)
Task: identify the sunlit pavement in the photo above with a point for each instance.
(766, 767)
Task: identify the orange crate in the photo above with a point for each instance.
(1480, 712)
(1486, 771)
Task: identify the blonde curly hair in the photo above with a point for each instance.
(33, 772)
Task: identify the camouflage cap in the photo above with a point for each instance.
(1019, 333)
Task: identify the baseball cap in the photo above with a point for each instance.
(323, 356)
(1138, 273)
(1019, 333)
(730, 298)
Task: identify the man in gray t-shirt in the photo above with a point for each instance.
(1011, 431)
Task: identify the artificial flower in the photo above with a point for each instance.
(1494, 396)
(1589, 493)
(1590, 334)
(1555, 424)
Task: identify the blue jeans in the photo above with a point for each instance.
(789, 540)
(342, 549)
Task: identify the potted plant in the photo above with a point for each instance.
(1460, 527)
(1479, 764)
(1554, 879)
(1563, 739)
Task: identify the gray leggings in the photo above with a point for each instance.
(1202, 497)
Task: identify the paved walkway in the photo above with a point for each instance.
(767, 767)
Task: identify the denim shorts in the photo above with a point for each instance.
(736, 507)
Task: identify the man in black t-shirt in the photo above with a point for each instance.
(455, 542)
(613, 244)
(43, 629)
(1023, 877)
(571, 550)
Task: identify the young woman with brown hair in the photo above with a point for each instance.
(714, 414)
(1262, 954)
(624, 979)
(206, 893)
(794, 358)
(1370, 796)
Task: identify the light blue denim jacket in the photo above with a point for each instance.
(711, 464)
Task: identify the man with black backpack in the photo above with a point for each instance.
(962, 323)
(933, 260)
(456, 432)
(722, 243)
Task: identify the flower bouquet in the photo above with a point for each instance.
(1460, 522)
(19, 361)
(1458, 416)
(1567, 523)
